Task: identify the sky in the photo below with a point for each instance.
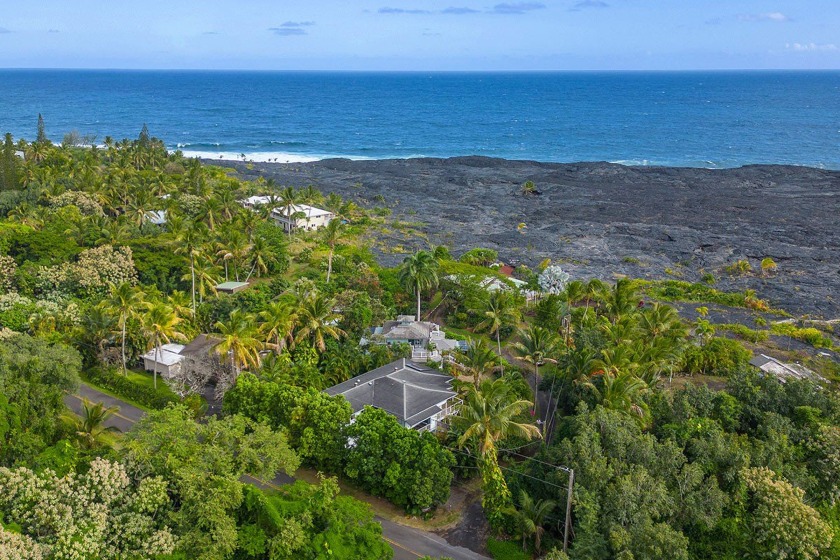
(421, 35)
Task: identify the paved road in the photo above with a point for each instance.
(408, 543)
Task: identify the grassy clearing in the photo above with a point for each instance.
(506, 550)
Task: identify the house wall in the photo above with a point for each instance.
(304, 224)
(162, 369)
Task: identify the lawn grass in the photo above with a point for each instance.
(506, 550)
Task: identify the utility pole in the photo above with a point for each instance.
(568, 510)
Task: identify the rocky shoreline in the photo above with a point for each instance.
(602, 220)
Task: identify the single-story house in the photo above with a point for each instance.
(426, 339)
(493, 284)
(167, 360)
(254, 201)
(170, 356)
(418, 396)
(231, 287)
(308, 217)
(782, 370)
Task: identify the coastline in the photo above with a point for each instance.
(602, 220)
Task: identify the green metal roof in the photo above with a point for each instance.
(231, 285)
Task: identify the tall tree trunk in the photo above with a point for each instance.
(536, 389)
(154, 370)
(499, 342)
(192, 273)
(418, 304)
(329, 265)
(123, 345)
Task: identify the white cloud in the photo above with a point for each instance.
(769, 16)
(811, 47)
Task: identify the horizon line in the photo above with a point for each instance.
(417, 71)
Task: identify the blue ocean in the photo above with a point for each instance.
(700, 119)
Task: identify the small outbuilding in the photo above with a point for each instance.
(166, 360)
(231, 287)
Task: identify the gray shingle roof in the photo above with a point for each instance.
(410, 391)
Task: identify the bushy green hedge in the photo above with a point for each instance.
(809, 335)
(124, 387)
(744, 332)
(720, 356)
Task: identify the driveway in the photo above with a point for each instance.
(408, 543)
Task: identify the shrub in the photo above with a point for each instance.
(128, 389)
(479, 257)
(720, 356)
(809, 335)
(739, 267)
(744, 332)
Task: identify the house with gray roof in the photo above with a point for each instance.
(427, 340)
(782, 370)
(418, 396)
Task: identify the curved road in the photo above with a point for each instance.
(408, 543)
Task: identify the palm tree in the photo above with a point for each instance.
(89, 427)
(489, 415)
(160, 325)
(531, 516)
(621, 391)
(239, 341)
(419, 272)
(188, 241)
(316, 320)
(206, 276)
(538, 345)
(289, 198)
(260, 253)
(500, 311)
(125, 301)
(621, 300)
(97, 329)
(277, 324)
(331, 235)
(478, 359)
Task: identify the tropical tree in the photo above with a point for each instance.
(500, 311)
(489, 414)
(531, 517)
(277, 323)
(621, 300)
(478, 359)
(537, 346)
(239, 341)
(289, 197)
(89, 428)
(125, 301)
(160, 325)
(419, 272)
(330, 236)
(621, 391)
(316, 320)
(97, 329)
(188, 241)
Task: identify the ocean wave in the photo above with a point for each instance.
(267, 157)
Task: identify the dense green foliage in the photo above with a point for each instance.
(407, 467)
(128, 389)
(106, 253)
(34, 376)
(313, 421)
(410, 469)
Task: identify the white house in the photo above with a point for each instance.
(301, 216)
(167, 360)
(426, 339)
(254, 201)
(418, 396)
